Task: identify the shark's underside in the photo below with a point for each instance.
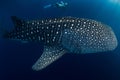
(63, 35)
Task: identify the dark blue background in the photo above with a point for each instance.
(17, 58)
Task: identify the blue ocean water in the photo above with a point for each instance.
(16, 58)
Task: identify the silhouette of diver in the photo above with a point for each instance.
(60, 4)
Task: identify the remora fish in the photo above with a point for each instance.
(63, 35)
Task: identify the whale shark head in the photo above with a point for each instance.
(90, 38)
(63, 35)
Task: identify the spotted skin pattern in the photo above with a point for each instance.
(64, 35)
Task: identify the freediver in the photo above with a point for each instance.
(60, 4)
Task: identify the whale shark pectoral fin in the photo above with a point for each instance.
(49, 55)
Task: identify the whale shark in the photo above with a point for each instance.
(63, 35)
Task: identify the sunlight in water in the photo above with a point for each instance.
(115, 1)
(116, 6)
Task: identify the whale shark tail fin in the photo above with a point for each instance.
(3, 31)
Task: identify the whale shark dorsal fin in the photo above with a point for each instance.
(18, 23)
(50, 54)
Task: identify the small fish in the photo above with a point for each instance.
(63, 35)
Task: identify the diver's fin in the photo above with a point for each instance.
(49, 55)
(18, 23)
